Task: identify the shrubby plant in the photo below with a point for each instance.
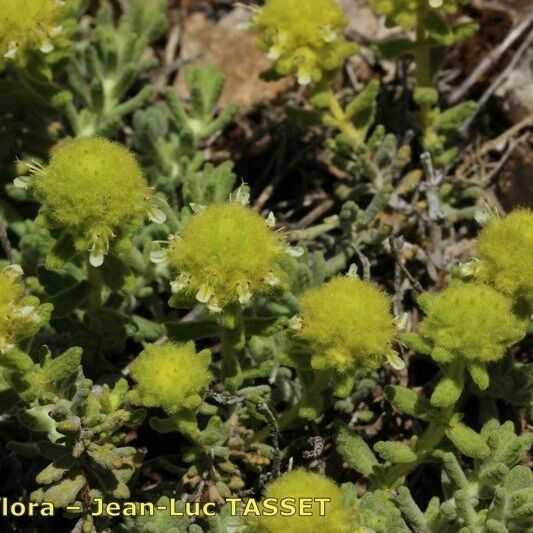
(170, 341)
(82, 190)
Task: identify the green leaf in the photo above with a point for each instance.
(479, 374)
(467, 441)
(362, 109)
(446, 392)
(64, 365)
(408, 401)
(205, 85)
(355, 451)
(452, 119)
(395, 452)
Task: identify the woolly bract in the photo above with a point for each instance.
(171, 376)
(468, 320)
(347, 324)
(225, 254)
(506, 252)
(303, 37)
(338, 516)
(404, 13)
(94, 191)
(20, 316)
(27, 26)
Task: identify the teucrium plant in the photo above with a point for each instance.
(175, 378)
(82, 190)
(303, 37)
(432, 33)
(505, 248)
(21, 316)
(225, 256)
(467, 326)
(339, 515)
(345, 324)
(253, 326)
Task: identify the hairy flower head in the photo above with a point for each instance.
(347, 324)
(20, 316)
(171, 376)
(337, 516)
(28, 26)
(506, 251)
(93, 190)
(303, 37)
(404, 13)
(225, 254)
(468, 320)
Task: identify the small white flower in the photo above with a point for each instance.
(54, 32)
(180, 283)
(12, 51)
(46, 47)
(14, 270)
(295, 323)
(274, 52)
(22, 182)
(96, 258)
(304, 76)
(352, 271)
(402, 321)
(98, 250)
(6, 347)
(213, 306)
(329, 34)
(272, 280)
(26, 311)
(470, 269)
(395, 361)
(197, 208)
(295, 251)
(271, 220)
(242, 195)
(205, 292)
(435, 4)
(156, 215)
(243, 290)
(158, 256)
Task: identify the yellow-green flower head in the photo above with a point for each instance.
(506, 252)
(225, 254)
(304, 37)
(404, 13)
(20, 316)
(469, 320)
(171, 376)
(335, 516)
(27, 26)
(347, 324)
(94, 191)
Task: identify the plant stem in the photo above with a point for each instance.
(423, 63)
(342, 121)
(429, 440)
(96, 284)
(232, 340)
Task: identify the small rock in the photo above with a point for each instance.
(233, 50)
(515, 181)
(516, 93)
